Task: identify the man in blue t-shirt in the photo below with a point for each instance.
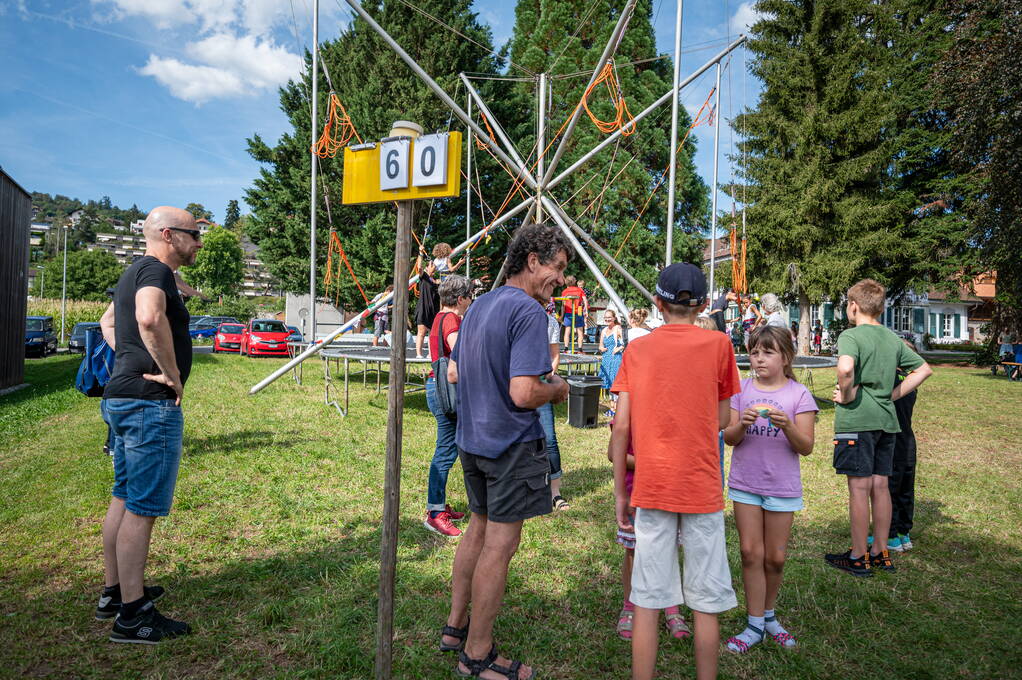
(502, 366)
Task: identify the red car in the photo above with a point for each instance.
(265, 337)
(228, 337)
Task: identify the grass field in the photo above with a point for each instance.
(271, 551)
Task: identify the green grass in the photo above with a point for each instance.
(272, 548)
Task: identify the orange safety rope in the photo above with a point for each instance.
(485, 145)
(337, 131)
(738, 272)
(335, 245)
(699, 120)
(622, 115)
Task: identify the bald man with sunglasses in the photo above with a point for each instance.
(147, 325)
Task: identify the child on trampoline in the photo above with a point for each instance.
(442, 260)
(772, 424)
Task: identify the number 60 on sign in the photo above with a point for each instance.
(400, 169)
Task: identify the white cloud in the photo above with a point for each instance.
(745, 16)
(259, 63)
(162, 13)
(230, 66)
(192, 83)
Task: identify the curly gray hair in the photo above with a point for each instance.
(770, 303)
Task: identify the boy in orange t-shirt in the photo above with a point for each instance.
(674, 389)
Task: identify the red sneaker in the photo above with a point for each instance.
(455, 516)
(441, 524)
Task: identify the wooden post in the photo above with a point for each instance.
(395, 421)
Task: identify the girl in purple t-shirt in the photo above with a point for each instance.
(772, 423)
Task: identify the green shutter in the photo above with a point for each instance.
(933, 324)
(940, 325)
(958, 326)
(828, 313)
(793, 313)
(919, 320)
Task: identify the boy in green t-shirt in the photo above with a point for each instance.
(865, 422)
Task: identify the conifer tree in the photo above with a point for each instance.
(565, 39)
(376, 88)
(823, 210)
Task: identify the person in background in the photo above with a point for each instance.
(613, 344)
(587, 319)
(546, 412)
(817, 337)
(771, 305)
(381, 316)
(442, 266)
(637, 323)
(574, 312)
(455, 296)
(147, 325)
(719, 308)
(429, 302)
(902, 482)
(703, 321)
(751, 317)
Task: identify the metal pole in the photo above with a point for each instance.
(432, 84)
(713, 185)
(540, 144)
(63, 291)
(395, 423)
(468, 183)
(498, 129)
(314, 159)
(614, 297)
(669, 257)
(603, 253)
(610, 139)
(608, 50)
(352, 322)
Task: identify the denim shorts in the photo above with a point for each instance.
(771, 503)
(147, 436)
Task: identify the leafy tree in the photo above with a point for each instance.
(376, 88)
(218, 268)
(977, 85)
(84, 232)
(565, 39)
(232, 215)
(199, 211)
(824, 208)
(89, 274)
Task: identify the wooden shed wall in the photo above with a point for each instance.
(15, 221)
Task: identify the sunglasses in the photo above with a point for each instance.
(194, 233)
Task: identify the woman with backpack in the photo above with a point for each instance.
(455, 296)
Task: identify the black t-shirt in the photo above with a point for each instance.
(133, 359)
(718, 306)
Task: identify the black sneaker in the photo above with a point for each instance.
(881, 561)
(844, 561)
(110, 605)
(148, 628)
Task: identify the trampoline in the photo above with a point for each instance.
(372, 360)
(802, 363)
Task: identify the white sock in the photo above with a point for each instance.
(752, 635)
(773, 626)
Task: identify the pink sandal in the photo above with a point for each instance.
(624, 624)
(676, 626)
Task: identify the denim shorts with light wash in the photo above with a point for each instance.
(771, 503)
(147, 438)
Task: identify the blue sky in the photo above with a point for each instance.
(150, 101)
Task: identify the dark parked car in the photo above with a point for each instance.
(296, 335)
(77, 341)
(39, 337)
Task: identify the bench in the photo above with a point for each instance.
(1012, 369)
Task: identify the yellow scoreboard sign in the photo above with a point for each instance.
(402, 169)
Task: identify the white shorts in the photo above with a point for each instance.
(656, 579)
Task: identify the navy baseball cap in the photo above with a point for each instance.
(679, 278)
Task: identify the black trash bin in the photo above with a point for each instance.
(584, 400)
